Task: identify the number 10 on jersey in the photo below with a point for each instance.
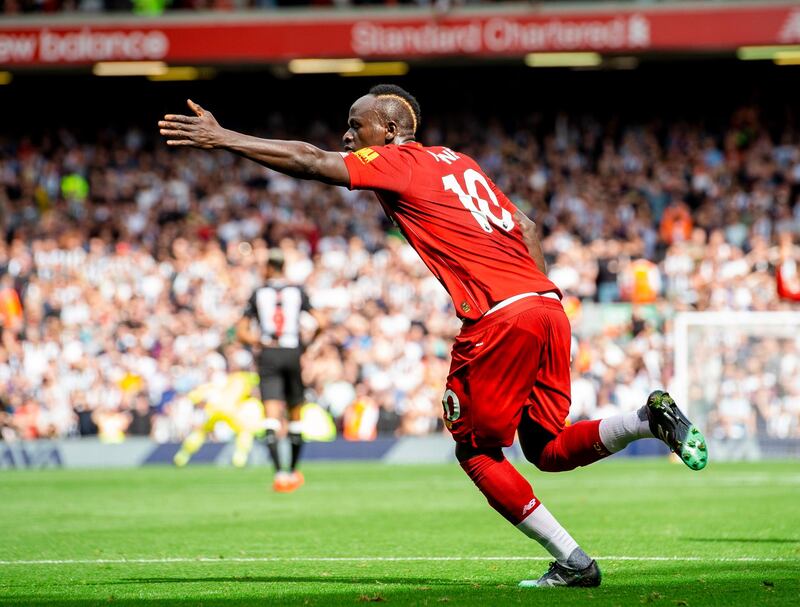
(483, 212)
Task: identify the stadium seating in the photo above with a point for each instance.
(126, 266)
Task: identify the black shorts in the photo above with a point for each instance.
(279, 370)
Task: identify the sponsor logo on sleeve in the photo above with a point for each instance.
(366, 155)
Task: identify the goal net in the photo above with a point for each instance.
(738, 373)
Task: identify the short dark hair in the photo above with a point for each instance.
(275, 259)
(392, 90)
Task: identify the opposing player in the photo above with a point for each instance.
(510, 363)
(227, 400)
(275, 308)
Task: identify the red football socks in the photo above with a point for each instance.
(511, 495)
(506, 489)
(577, 445)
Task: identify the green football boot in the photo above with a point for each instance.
(669, 424)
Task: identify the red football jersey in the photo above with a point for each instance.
(458, 221)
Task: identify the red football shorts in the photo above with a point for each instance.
(514, 362)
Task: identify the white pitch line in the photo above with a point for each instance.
(351, 559)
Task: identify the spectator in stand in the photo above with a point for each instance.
(787, 274)
(676, 223)
(10, 305)
(640, 282)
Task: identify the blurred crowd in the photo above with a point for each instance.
(125, 265)
(753, 388)
(157, 7)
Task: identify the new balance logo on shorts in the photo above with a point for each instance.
(528, 507)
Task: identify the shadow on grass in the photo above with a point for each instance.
(742, 592)
(666, 585)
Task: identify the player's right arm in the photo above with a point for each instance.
(244, 328)
(295, 158)
(245, 333)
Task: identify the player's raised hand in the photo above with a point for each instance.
(200, 131)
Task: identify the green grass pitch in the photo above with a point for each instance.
(403, 535)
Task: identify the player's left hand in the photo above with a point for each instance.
(200, 131)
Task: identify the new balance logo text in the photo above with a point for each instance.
(529, 506)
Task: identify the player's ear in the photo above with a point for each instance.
(392, 130)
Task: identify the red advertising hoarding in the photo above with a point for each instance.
(271, 37)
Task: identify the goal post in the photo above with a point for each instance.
(738, 375)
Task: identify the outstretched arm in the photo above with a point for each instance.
(531, 238)
(294, 158)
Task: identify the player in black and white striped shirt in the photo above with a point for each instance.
(271, 325)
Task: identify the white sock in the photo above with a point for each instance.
(542, 526)
(618, 431)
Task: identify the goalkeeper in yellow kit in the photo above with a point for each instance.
(231, 401)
